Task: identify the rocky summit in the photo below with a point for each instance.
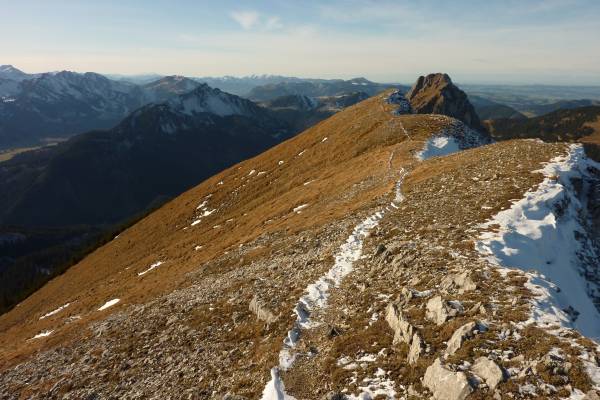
(436, 94)
(377, 255)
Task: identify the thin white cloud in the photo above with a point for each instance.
(246, 19)
(273, 23)
(255, 20)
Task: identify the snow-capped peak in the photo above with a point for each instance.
(9, 72)
(205, 99)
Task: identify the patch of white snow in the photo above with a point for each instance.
(56, 311)
(42, 334)
(150, 268)
(108, 304)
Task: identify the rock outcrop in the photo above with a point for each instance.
(403, 330)
(436, 94)
(416, 348)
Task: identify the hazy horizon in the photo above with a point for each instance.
(526, 42)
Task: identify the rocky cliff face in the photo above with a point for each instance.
(346, 263)
(436, 94)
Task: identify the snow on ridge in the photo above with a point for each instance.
(457, 136)
(275, 390)
(317, 293)
(56, 311)
(545, 232)
(315, 298)
(206, 100)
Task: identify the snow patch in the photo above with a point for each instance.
(156, 264)
(42, 334)
(56, 311)
(438, 146)
(275, 389)
(315, 297)
(399, 196)
(376, 387)
(298, 210)
(205, 212)
(455, 137)
(108, 304)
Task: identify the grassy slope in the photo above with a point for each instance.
(360, 140)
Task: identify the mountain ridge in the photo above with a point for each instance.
(212, 279)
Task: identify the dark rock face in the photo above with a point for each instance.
(404, 106)
(436, 94)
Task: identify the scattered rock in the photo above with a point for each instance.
(439, 311)
(230, 396)
(489, 371)
(467, 331)
(380, 249)
(446, 384)
(262, 313)
(461, 282)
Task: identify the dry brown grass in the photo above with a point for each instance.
(359, 143)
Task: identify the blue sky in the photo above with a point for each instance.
(535, 41)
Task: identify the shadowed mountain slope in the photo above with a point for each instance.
(562, 125)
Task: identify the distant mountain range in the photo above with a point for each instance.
(61, 104)
(65, 103)
(317, 88)
(302, 112)
(155, 153)
(488, 109)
